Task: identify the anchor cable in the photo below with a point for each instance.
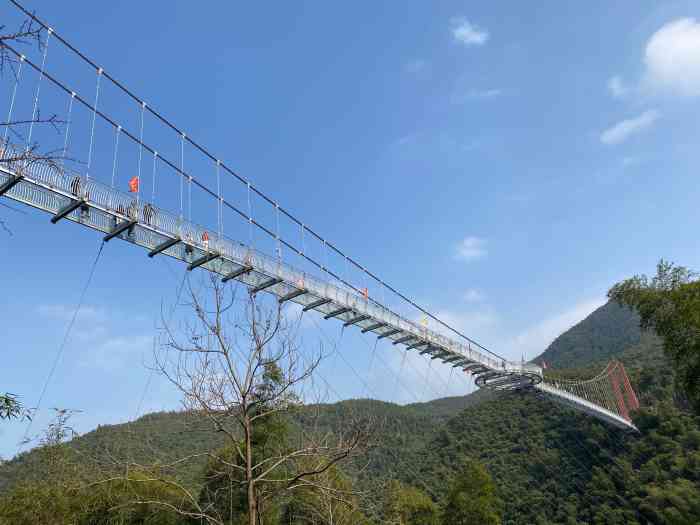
(62, 347)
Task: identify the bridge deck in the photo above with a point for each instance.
(117, 215)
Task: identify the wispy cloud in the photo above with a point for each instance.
(617, 87)
(467, 33)
(672, 58)
(473, 296)
(64, 312)
(476, 94)
(99, 334)
(626, 128)
(535, 340)
(471, 248)
(117, 352)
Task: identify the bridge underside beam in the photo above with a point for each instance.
(315, 304)
(373, 327)
(389, 333)
(403, 339)
(7, 186)
(266, 284)
(237, 273)
(356, 320)
(417, 345)
(164, 246)
(337, 312)
(69, 208)
(203, 260)
(292, 295)
(500, 382)
(475, 368)
(119, 228)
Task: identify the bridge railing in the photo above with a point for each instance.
(129, 207)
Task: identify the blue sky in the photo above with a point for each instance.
(503, 164)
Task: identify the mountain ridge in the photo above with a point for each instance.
(551, 465)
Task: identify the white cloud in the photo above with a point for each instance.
(626, 128)
(617, 87)
(63, 312)
(471, 322)
(538, 337)
(468, 34)
(473, 296)
(672, 58)
(415, 66)
(98, 335)
(117, 352)
(471, 248)
(476, 94)
(430, 379)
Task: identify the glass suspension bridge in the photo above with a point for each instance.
(36, 170)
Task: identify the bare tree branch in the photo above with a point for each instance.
(239, 365)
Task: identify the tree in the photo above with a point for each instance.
(669, 303)
(238, 364)
(327, 498)
(472, 499)
(64, 490)
(10, 407)
(406, 505)
(18, 152)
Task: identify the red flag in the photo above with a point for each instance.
(205, 236)
(365, 292)
(134, 185)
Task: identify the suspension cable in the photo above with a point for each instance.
(153, 190)
(38, 87)
(182, 171)
(92, 130)
(68, 123)
(277, 233)
(138, 180)
(250, 218)
(374, 393)
(283, 242)
(18, 77)
(243, 180)
(62, 347)
(219, 210)
(117, 132)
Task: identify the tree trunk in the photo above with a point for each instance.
(252, 503)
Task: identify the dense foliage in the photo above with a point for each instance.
(471, 499)
(548, 465)
(669, 303)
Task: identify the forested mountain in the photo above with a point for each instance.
(550, 465)
(604, 334)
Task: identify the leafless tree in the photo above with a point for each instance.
(238, 365)
(17, 151)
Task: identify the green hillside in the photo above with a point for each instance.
(550, 465)
(602, 335)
